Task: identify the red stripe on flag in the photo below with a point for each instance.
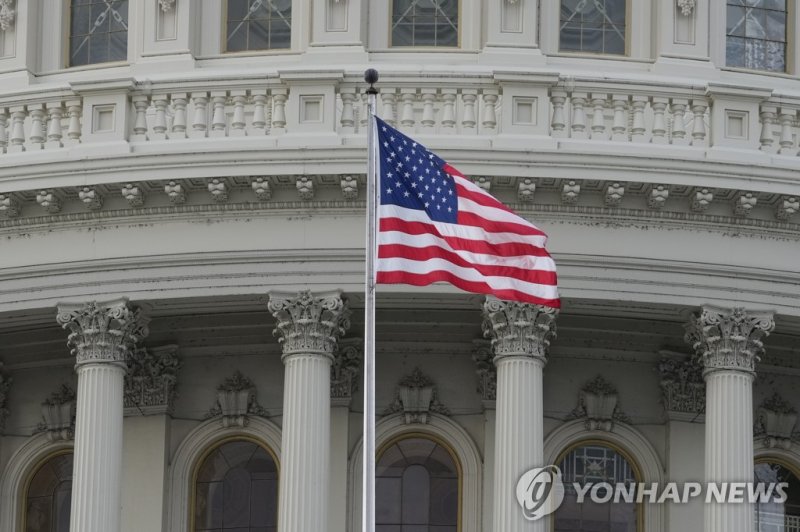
(481, 199)
(542, 277)
(508, 249)
(469, 218)
(395, 277)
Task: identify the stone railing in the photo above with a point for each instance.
(514, 111)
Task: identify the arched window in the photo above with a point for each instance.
(417, 486)
(598, 26)
(595, 463)
(49, 495)
(236, 488)
(775, 516)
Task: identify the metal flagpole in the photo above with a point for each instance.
(368, 480)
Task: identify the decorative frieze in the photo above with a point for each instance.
(305, 188)
(570, 192)
(58, 414)
(775, 421)
(236, 400)
(175, 192)
(308, 323)
(484, 182)
(787, 207)
(218, 190)
(150, 384)
(102, 332)
(729, 339)
(349, 186)
(5, 384)
(683, 388)
(614, 194)
(744, 204)
(9, 205)
(486, 370)
(518, 329)
(658, 196)
(261, 188)
(701, 199)
(598, 403)
(49, 200)
(345, 369)
(416, 397)
(133, 194)
(526, 190)
(90, 197)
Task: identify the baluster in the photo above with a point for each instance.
(75, 109)
(767, 140)
(140, 104)
(179, 102)
(278, 111)
(598, 117)
(3, 126)
(363, 112)
(449, 111)
(407, 97)
(160, 120)
(558, 123)
(259, 112)
(787, 139)
(17, 129)
(218, 120)
(200, 115)
(699, 107)
(348, 121)
(55, 113)
(428, 117)
(489, 109)
(387, 99)
(678, 109)
(37, 135)
(238, 121)
(578, 115)
(468, 120)
(620, 126)
(638, 128)
(659, 123)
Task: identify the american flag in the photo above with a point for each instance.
(436, 225)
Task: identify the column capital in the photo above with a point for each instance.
(102, 332)
(518, 329)
(726, 339)
(309, 323)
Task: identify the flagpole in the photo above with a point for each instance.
(368, 480)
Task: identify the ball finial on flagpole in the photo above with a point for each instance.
(371, 76)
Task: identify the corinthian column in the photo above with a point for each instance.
(101, 336)
(728, 343)
(308, 328)
(520, 335)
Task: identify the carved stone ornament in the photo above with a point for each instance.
(729, 339)
(518, 329)
(102, 332)
(683, 388)
(166, 5)
(416, 398)
(775, 421)
(58, 414)
(7, 14)
(5, 384)
(598, 403)
(151, 380)
(686, 7)
(344, 371)
(236, 400)
(486, 370)
(309, 324)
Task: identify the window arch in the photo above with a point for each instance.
(773, 515)
(236, 487)
(418, 484)
(48, 495)
(595, 462)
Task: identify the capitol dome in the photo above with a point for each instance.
(182, 263)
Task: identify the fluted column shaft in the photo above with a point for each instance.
(520, 335)
(101, 337)
(728, 343)
(309, 327)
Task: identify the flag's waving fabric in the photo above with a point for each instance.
(436, 225)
